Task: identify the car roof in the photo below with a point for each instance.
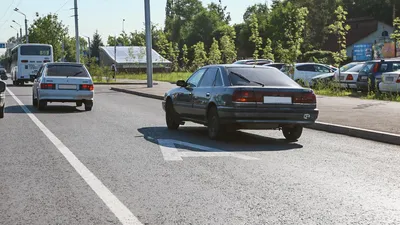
(310, 63)
(237, 66)
(386, 60)
(64, 63)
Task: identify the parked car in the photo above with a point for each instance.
(322, 79)
(3, 73)
(348, 78)
(3, 87)
(304, 72)
(254, 61)
(276, 65)
(232, 97)
(370, 74)
(344, 69)
(63, 82)
(390, 82)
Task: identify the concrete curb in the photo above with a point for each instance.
(137, 93)
(122, 83)
(373, 135)
(327, 127)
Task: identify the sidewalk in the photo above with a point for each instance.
(373, 115)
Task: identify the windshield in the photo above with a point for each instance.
(66, 70)
(35, 50)
(257, 76)
(347, 67)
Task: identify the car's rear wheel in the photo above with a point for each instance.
(171, 117)
(215, 128)
(2, 112)
(292, 133)
(42, 104)
(88, 105)
(34, 101)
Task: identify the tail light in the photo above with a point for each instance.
(244, 96)
(47, 86)
(24, 61)
(305, 98)
(349, 77)
(88, 87)
(398, 79)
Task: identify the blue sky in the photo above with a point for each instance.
(104, 15)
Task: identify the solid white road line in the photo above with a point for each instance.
(125, 216)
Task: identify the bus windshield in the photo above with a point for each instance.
(35, 50)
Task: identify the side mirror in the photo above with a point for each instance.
(181, 83)
(3, 86)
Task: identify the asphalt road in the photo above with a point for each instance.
(247, 178)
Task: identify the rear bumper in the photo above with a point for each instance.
(362, 86)
(65, 95)
(264, 119)
(394, 87)
(351, 85)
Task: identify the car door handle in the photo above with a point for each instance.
(207, 94)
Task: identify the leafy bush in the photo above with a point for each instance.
(318, 56)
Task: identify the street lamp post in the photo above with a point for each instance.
(20, 28)
(149, 47)
(89, 52)
(123, 25)
(77, 56)
(16, 30)
(26, 24)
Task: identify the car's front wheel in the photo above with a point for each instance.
(215, 128)
(292, 134)
(171, 117)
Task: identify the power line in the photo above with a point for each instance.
(62, 6)
(1, 26)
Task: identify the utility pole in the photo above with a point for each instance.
(26, 24)
(78, 52)
(149, 58)
(123, 26)
(115, 57)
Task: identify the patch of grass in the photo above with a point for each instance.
(331, 92)
(167, 77)
(395, 97)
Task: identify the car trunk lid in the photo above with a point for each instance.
(68, 83)
(391, 78)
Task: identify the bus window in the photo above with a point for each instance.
(35, 50)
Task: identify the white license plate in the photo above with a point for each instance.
(67, 86)
(32, 66)
(277, 100)
(364, 78)
(389, 79)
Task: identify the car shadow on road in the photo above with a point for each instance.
(50, 109)
(232, 141)
(25, 85)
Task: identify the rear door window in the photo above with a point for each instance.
(321, 69)
(309, 68)
(208, 78)
(66, 71)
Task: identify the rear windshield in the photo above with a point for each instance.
(348, 66)
(66, 70)
(35, 50)
(356, 68)
(256, 76)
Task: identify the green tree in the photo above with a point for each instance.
(396, 34)
(172, 55)
(255, 36)
(162, 45)
(200, 55)
(48, 30)
(228, 49)
(137, 39)
(340, 29)
(214, 55)
(96, 44)
(185, 59)
(281, 54)
(267, 51)
(111, 41)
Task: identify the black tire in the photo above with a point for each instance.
(79, 104)
(171, 117)
(2, 112)
(34, 101)
(42, 104)
(15, 83)
(215, 129)
(292, 134)
(88, 105)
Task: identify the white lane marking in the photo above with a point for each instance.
(125, 216)
(170, 152)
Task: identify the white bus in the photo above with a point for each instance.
(26, 59)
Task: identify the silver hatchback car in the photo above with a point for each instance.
(63, 82)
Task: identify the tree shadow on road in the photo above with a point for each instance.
(50, 109)
(233, 141)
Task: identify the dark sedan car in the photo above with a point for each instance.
(3, 73)
(370, 74)
(3, 87)
(232, 97)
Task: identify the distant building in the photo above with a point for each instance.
(364, 32)
(132, 59)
